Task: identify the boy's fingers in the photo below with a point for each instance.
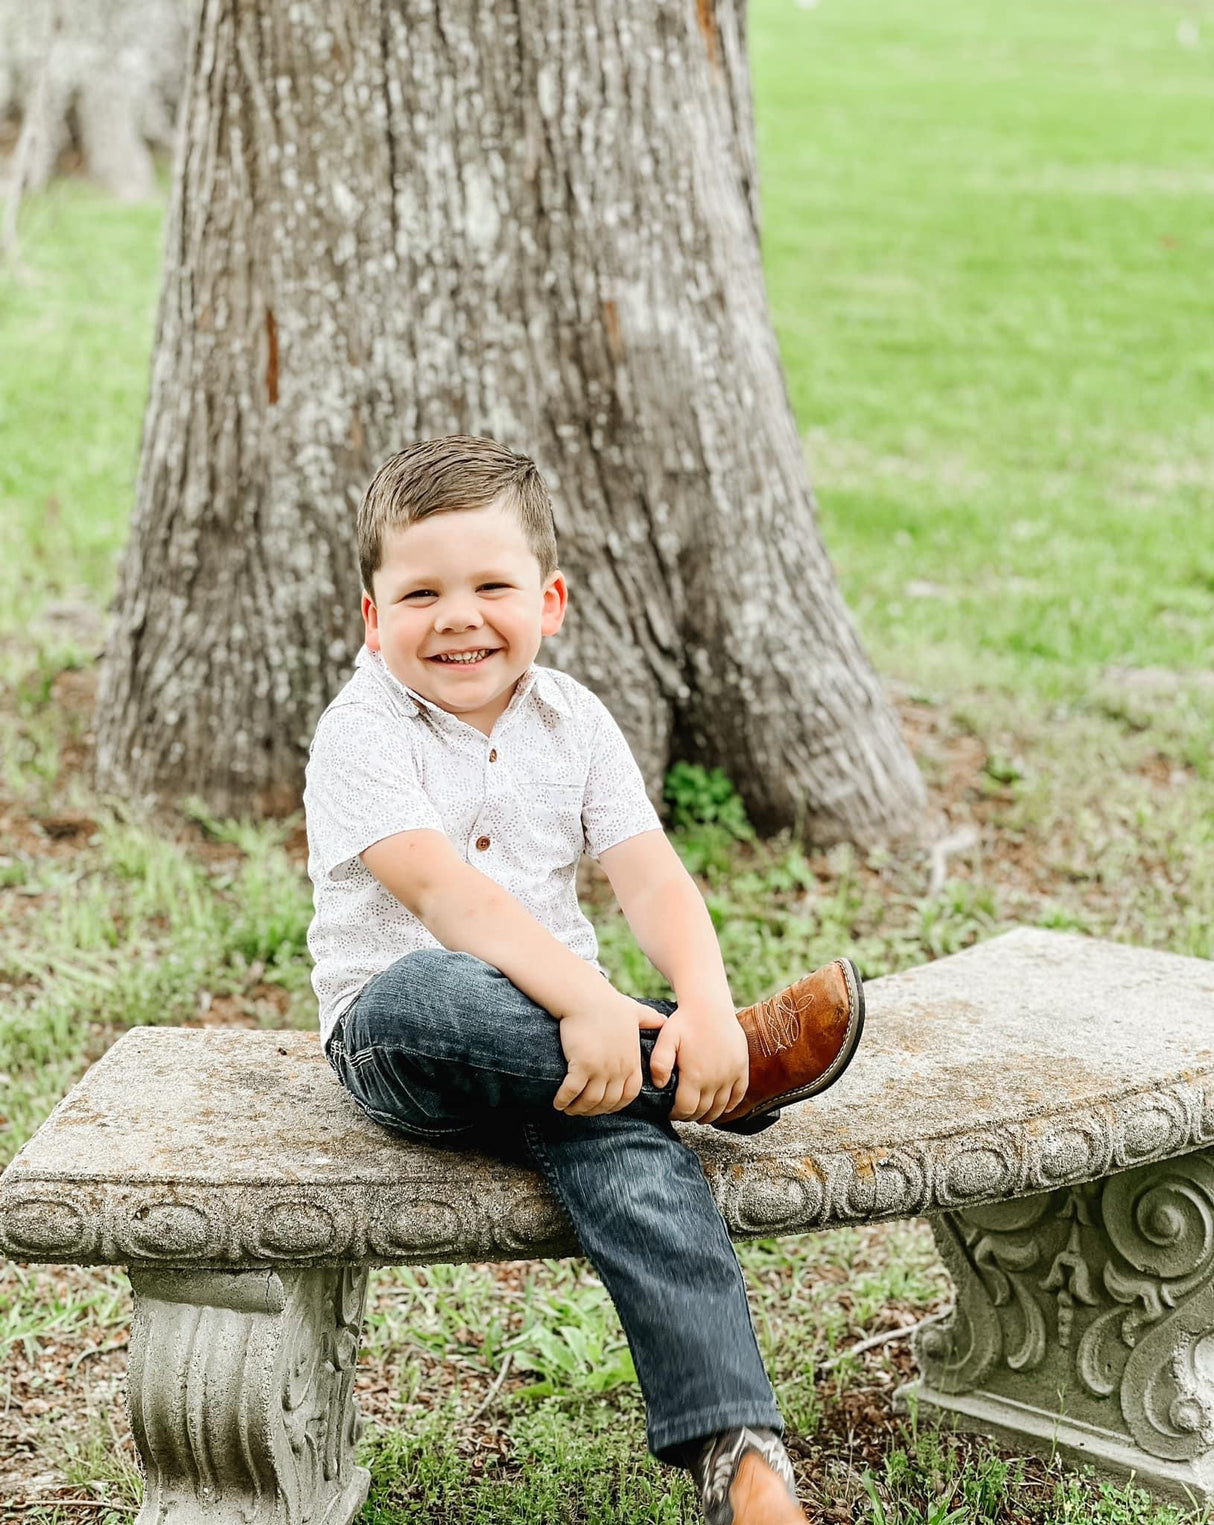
(588, 1100)
(571, 1087)
(647, 1017)
(661, 1061)
(686, 1103)
(613, 1098)
(713, 1109)
(720, 1103)
(604, 1103)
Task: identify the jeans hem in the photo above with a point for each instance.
(704, 1422)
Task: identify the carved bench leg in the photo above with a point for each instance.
(241, 1395)
(1084, 1322)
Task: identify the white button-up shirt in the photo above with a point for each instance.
(554, 778)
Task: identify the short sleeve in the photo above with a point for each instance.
(361, 785)
(615, 805)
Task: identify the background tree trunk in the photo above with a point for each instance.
(401, 218)
(103, 76)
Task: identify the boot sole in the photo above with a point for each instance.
(768, 1112)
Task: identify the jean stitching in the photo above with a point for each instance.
(387, 1120)
(454, 1057)
(360, 1061)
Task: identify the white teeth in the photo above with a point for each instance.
(467, 656)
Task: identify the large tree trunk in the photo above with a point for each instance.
(401, 218)
(103, 76)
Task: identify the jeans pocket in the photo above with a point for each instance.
(376, 1085)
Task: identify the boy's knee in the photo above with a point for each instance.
(443, 966)
(429, 976)
(423, 964)
(429, 991)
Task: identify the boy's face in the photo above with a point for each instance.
(462, 582)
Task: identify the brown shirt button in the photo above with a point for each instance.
(493, 755)
(482, 843)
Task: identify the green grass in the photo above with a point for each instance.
(75, 333)
(987, 243)
(130, 930)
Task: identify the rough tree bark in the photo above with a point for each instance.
(539, 221)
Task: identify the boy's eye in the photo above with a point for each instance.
(430, 593)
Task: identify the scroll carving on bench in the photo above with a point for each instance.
(241, 1393)
(1087, 1315)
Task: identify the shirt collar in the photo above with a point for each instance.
(540, 681)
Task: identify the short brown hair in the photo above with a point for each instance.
(456, 471)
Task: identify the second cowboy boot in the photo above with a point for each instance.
(800, 1042)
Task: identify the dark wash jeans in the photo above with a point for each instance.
(440, 1038)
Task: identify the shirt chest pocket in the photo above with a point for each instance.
(552, 817)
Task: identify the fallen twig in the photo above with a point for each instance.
(97, 1350)
(493, 1391)
(956, 842)
(887, 1338)
(62, 1503)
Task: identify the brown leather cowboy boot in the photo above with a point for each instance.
(800, 1041)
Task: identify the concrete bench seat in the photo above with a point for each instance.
(1046, 1100)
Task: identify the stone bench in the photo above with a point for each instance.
(1046, 1100)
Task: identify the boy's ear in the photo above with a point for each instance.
(370, 622)
(556, 597)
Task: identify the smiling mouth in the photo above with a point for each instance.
(465, 658)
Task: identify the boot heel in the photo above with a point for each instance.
(752, 1124)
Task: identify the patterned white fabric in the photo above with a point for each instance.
(385, 760)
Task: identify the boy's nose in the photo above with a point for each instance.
(458, 616)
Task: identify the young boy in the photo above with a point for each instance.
(452, 787)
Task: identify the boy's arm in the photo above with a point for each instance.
(672, 926)
(470, 913)
(668, 918)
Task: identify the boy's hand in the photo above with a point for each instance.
(709, 1046)
(602, 1045)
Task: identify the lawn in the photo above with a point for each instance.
(987, 239)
